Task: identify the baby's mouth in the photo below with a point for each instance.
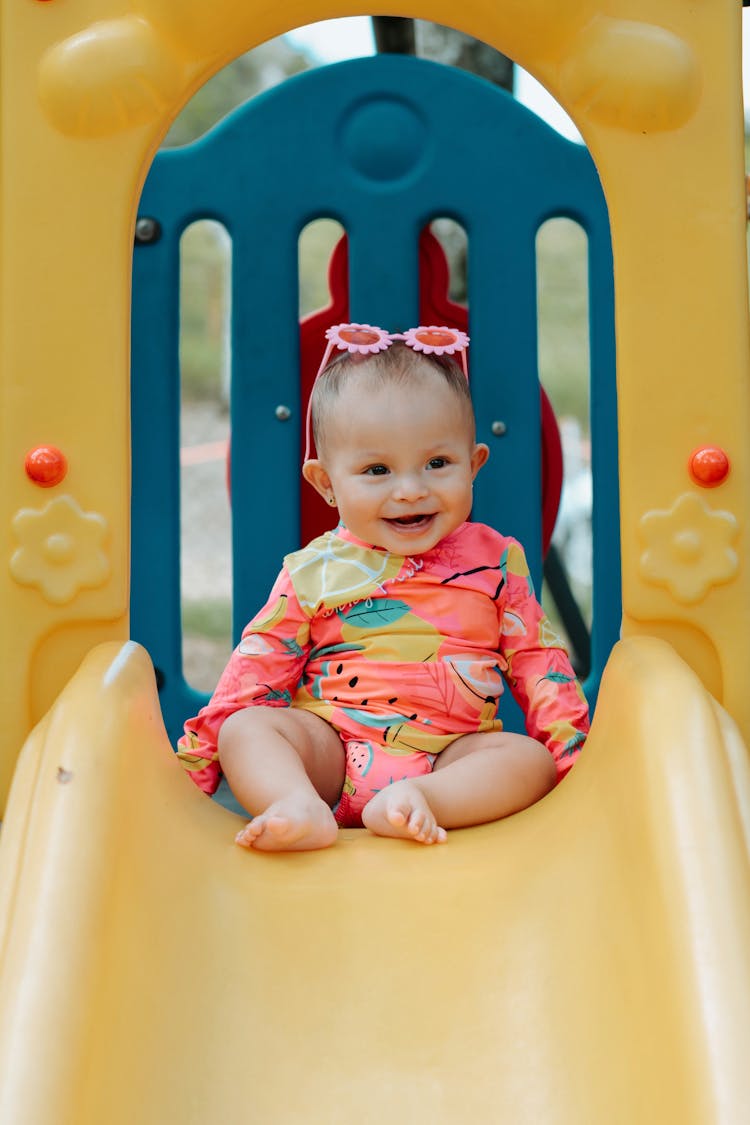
(412, 523)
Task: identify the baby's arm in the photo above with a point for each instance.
(263, 670)
(539, 671)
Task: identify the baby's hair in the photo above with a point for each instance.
(396, 365)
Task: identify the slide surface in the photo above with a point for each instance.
(584, 961)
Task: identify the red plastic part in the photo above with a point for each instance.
(46, 465)
(435, 307)
(552, 470)
(709, 466)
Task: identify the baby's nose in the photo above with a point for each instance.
(409, 486)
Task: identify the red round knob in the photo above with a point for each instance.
(709, 465)
(46, 465)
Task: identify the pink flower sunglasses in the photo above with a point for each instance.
(366, 339)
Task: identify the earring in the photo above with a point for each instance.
(332, 500)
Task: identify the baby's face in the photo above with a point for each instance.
(401, 461)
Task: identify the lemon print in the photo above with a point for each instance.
(329, 571)
(548, 637)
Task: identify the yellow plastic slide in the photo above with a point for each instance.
(583, 962)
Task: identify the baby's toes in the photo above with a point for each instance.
(247, 835)
(419, 824)
(438, 835)
(429, 832)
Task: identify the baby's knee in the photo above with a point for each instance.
(541, 762)
(250, 723)
(530, 757)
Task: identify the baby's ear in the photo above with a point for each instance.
(315, 474)
(479, 457)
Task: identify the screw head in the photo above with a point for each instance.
(283, 413)
(147, 230)
(499, 428)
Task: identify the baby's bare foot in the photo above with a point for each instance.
(402, 810)
(296, 823)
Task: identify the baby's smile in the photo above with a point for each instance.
(416, 522)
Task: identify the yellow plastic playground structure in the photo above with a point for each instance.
(583, 962)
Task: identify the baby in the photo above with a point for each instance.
(366, 690)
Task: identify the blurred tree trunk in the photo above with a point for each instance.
(445, 45)
(394, 35)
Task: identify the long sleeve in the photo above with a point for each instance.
(264, 669)
(539, 671)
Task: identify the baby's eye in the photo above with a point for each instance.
(437, 462)
(376, 470)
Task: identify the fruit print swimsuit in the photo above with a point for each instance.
(400, 655)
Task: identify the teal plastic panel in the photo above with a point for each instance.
(384, 145)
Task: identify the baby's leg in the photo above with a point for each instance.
(286, 767)
(478, 778)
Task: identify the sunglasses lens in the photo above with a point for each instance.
(435, 337)
(359, 336)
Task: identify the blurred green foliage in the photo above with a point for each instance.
(208, 618)
(247, 75)
(205, 266)
(562, 312)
